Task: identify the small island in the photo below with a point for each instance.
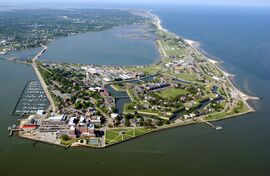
(98, 106)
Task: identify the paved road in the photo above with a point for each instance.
(41, 80)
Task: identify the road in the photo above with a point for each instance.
(41, 80)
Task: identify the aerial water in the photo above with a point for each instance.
(240, 38)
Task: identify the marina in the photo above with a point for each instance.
(32, 99)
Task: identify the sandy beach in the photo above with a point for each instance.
(195, 45)
(226, 74)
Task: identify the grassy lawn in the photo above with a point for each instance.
(117, 87)
(172, 49)
(148, 69)
(153, 114)
(126, 110)
(114, 136)
(63, 142)
(171, 92)
(139, 132)
(125, 137)
(217, 116)
(221, 92)
(130, 94)
(110, 134)
(241, 107)
(184, 76)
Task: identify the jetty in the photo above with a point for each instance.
(210, 124)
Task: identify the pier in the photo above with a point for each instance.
(210, 124)
(12, 129)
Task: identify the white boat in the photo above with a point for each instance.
(218, 127)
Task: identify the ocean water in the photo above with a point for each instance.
(239, 37)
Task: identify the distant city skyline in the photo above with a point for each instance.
(190, 2)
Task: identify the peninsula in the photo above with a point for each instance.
(98, 106)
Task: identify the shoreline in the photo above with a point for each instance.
(214, 62)
(153, 42)
(155, 130)
(226, 74)
(156, 21)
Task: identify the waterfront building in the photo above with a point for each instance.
(28, 127)
(52, 126)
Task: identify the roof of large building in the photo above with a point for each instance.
(57, 118)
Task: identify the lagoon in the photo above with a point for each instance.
(122, 45)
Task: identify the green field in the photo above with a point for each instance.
(240, 108)
(148, 69)
(117, 87)
(217, 116)
(172, 49)
(187, 77)
(114, 135)
(171, 92)
(130, 94)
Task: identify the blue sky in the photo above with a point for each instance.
(201, 2)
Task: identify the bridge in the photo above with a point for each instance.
(39, 54)
(122, 97)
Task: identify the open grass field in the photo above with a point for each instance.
(218, 116)
(184, 76)
(117, 87)
(120, 134)
(152, 69)
(172, 50)
(171, 92)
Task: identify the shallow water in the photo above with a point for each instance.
(118, 46)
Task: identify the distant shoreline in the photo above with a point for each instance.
(63, 59)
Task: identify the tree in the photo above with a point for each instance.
(129, 116)
(159, 123)
(168, 122)
(78, 105)
(86, 105)
(102, 120)
(149, 122)
(114, 110)
(65, 137)
(127, 123)
(73, 99)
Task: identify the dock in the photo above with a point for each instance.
(12, 129)
(32, 99)
(210, 124)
